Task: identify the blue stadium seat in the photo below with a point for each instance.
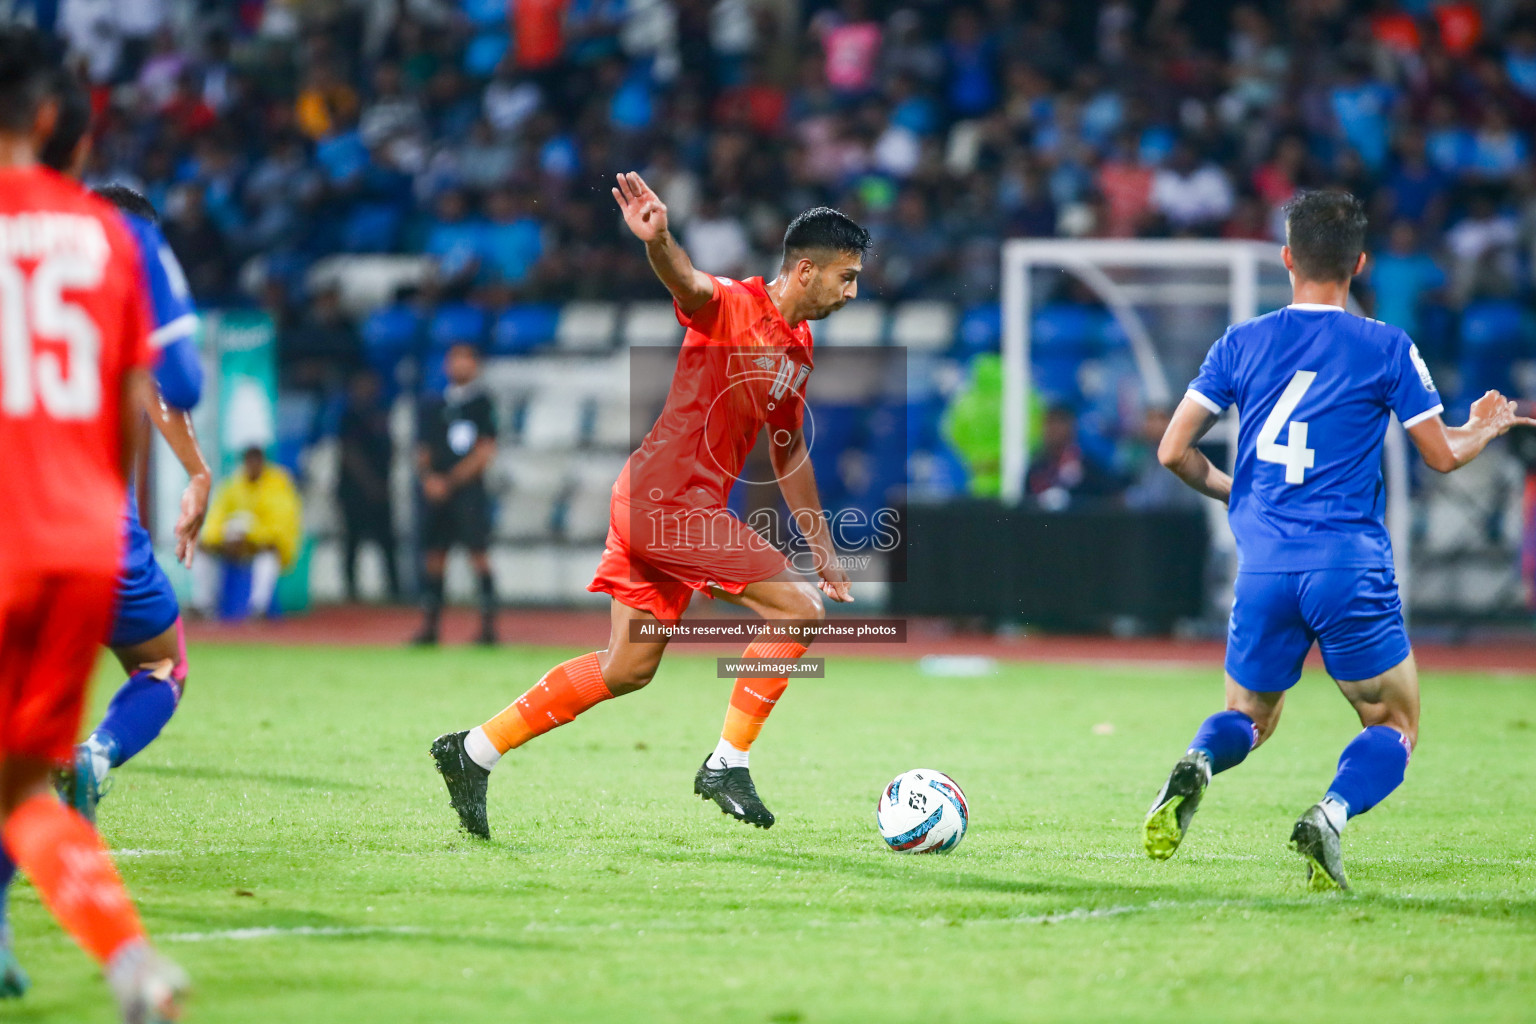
(389, 334)
(372, 227)
(456, 322)
(1056, 380)
(1064, 336)
(1067, 328)
(522, 328)
(981, 330)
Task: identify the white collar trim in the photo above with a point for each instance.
(1316, 307)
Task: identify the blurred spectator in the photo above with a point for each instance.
(254, 525)
(538, 33)
(393, 115)
(280, 193)
(454, 239)
(1151, 485)
(199, 244)
(1361, 107)
(362, 488)
(1403, 277)
(1061, 474)
(914, 251)
(971, 58)
(317, 352)
(973, 426)
(324, 102)
(482, 161)
(456, 445)
(718, 242)
(1414, 189)
(1192, 197)
(1126, 185)
(513, 240)
(1484, 239)
(852, 45)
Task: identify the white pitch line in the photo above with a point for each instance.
(146, 853)
(301, 931)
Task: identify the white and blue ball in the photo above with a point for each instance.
(922, 811)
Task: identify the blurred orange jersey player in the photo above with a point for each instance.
(742, 368)
(74, 352)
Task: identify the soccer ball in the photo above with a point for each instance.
(922, 811)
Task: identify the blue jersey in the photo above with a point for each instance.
(178, 371)
(1314, 387)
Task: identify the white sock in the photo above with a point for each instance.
(101, 757)
(1336, 811)
(727, 755)
(480, 749)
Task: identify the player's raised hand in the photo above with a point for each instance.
(194, 509)
(643, 209)
(834, 582)
(1499, 413)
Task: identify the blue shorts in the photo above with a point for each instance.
(1355, 616)
(146, 604)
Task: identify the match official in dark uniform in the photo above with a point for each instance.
(456, 442)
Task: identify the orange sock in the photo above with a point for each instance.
(566, 691)
(72, 871)
(753, 699)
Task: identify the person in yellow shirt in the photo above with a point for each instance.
(254, 518)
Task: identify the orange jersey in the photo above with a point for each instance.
(73, 322)
(742, 367)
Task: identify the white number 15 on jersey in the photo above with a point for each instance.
(1294, 455)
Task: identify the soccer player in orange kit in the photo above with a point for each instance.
(743, 366)
(74, 352)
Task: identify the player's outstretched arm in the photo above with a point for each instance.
(797, 482)
(1177, 451)
(1449, 448)
(136, 389)
(175, 425)
(646, 216)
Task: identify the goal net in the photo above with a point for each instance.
(1113, 328)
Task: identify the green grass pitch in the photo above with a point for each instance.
(293, 792)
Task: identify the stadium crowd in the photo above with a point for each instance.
(485, 133)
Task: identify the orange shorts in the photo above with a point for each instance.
(655, 560)
(52, 626)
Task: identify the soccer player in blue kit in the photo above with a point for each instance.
(146, 629)
(1316, 387)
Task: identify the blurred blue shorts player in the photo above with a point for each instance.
(146, 629)
(1316, 388)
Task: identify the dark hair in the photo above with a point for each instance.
(129, 201)
(1326, 233)
(74, 121)
(823, 229)
(29, 66)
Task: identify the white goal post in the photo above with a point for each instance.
(1092, 262)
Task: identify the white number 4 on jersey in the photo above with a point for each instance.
(1294, 455)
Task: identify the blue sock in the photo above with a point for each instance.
(139, 710)
(1226, 738)
(1371, 767)
(7, 872)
